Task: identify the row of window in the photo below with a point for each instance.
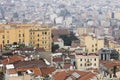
(94, 45)
(20, 41)
(93, 50)
(87, 59)
(21, 35)
(43, 42)
(43, 33)
(42, 38)
(4, 42)
(87, 64)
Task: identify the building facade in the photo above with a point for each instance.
(85, 61)
(108, 53)
(37, 36)
(92, 43)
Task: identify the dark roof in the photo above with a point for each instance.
(60, 32)
(32, 63)
(57, 60)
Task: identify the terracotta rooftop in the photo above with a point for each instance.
(67, 66)
(63, 75)
(12, 59)
(36, 70)
(11, 71)
(109, 64)
(47, 70)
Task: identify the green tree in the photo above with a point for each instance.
(54, 47)
(68, 39)
(21, 45)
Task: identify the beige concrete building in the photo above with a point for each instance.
(85, 61)
(36, 35)
(92, 42)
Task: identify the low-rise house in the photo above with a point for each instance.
(110, 68)
(28, 70)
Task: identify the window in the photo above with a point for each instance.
(23, 35)
(95, 59)
(80, 64)
(90, 59)
(45, 33)
(92, 50)
(19, 35)
(80, 59)
(3, 42)
(95, 44)
(19, 40)
(38, 40)
(45, 42)
(85, 59)
(92, 45)
(42, 32)
(38, 35)
(95, 64)
(37, 45)
(23, 41)
(8, 41)
(3, 36)
(85, 64)
(96, 49)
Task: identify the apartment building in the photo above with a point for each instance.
(41, 37)
(86, 61)
(92, 42)
(36, 35)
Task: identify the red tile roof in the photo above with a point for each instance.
(11, 71)
(109, 64)
(37, 63)
(36, 70)
(63, 75)
(67, 65)
(12, 59)
(47, 70)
